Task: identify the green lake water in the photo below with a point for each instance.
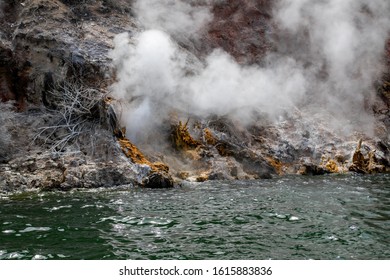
(325, 217)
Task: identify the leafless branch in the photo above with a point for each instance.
(76, 112)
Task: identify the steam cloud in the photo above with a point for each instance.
(328, 57)
(342, 44)
(177, 18)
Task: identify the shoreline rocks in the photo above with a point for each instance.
(46, 44)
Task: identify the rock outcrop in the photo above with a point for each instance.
(54, 54)
(59, 130)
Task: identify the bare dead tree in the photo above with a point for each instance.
(76, 112)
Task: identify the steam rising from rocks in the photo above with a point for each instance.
(341, 44)
(177, 18)
(328, 55)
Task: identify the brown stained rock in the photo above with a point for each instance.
(358, 161)
(209, 137)
(202, 177)
(194, 155)
(132, 152)
(373, 166)
(182, 139)
(276, 164)
(332, 166)
(136, 156)
(159, 176)
(365, 165)
(183, 175)
(160, 166)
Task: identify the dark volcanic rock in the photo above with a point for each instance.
(241, 28)
(48, 47)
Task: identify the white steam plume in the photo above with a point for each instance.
(328, 59)
(345, 42)
(177, 18)
(149, 75)
(152, 75)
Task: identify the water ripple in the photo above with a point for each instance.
(325, 217)
(31, 229)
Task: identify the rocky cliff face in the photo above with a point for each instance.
(54, 67)
(59, 129)
(242, 28)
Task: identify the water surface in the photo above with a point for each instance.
(326, 217)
